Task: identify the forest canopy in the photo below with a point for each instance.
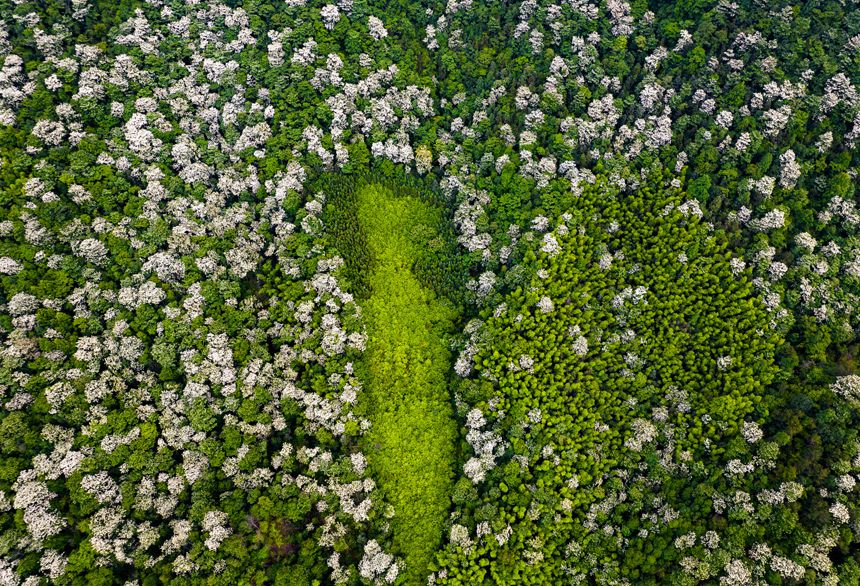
(348, 292)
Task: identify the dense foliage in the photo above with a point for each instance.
(607, 391)
(365, 292)
(411, 441)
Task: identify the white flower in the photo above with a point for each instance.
(475, 419)
(789, 169)
(460, 536)
(33, 497)
(102, 487)
(751, 432)
(725, 119)
(711, 539)
(787, 568)
(214, 523)
(9, 266)
(92, 250)
(737, 574)
(330, 15)
(376, 28)
(772, 220)
(376, 565)
(545, 305)
(550, 245)
(806, 241)
(643, 432)
(53, 564)
(685, 541)
(847, 386)
(167, 267)
(580, 346)
(49, 131)
(840, 513)
(846, 482)
(475, 469)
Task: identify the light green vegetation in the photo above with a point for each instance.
(599, 372)
(412, 441)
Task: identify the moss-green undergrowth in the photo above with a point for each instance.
(412, 441)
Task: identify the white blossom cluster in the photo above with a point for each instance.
(486, 445)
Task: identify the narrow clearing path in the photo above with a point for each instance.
(411, 444)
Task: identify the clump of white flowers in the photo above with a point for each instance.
(378, 566)
(330, 15)
(214, 523)
(848, 387)
(376, 28)
(485, 444)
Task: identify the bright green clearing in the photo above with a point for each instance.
(411, 444)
